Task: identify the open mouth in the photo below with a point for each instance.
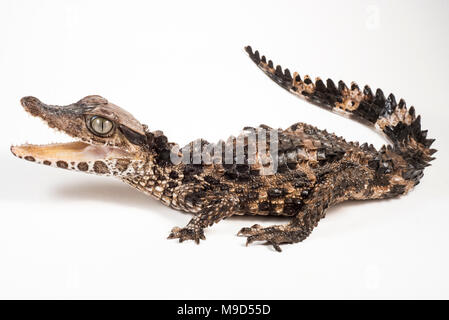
(81, 154)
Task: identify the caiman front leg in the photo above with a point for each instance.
(298, 229)
(213, 211)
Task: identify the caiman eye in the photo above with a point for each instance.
(100, 125)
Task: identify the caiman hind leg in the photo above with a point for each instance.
(350, 182)
(298, 229)
(213, 211)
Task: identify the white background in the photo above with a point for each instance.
(180, 67)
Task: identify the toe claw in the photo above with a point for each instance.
(249, 231)
(249, 240)
(243, 232)
(175, 229)
(187, 234)
(276, 246)
(258, 233)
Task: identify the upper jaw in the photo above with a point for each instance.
(39, 109)
(69, 119)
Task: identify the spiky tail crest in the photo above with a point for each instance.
(398, 123)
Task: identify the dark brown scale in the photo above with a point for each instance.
(83, 166)
(319, 86)
(256, 57)
(264, 206)
(211, 180)
(190, 173)
(354, 86)
(390, 106)
(122, 164)
(100, 167)
(379, 99)
(253, 195)
(292, 205)
(278, 72)
(172, 184)
(331, 87)
(368, 111)
(173, 175)
(342, 87)
(287, 75)
(368, 93)
(275, 192)
(63, 164)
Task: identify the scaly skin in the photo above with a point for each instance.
(314, 169)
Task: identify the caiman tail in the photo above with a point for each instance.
(392, 118)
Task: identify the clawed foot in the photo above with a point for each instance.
(187, 233)
(275, 235)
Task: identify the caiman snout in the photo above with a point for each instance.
(32, 105)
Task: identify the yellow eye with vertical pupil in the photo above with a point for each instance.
(100, 125)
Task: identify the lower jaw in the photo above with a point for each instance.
(79, 156)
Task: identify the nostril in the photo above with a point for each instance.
(26, 101)
(31, 104)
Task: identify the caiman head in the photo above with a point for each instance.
(109, 140)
